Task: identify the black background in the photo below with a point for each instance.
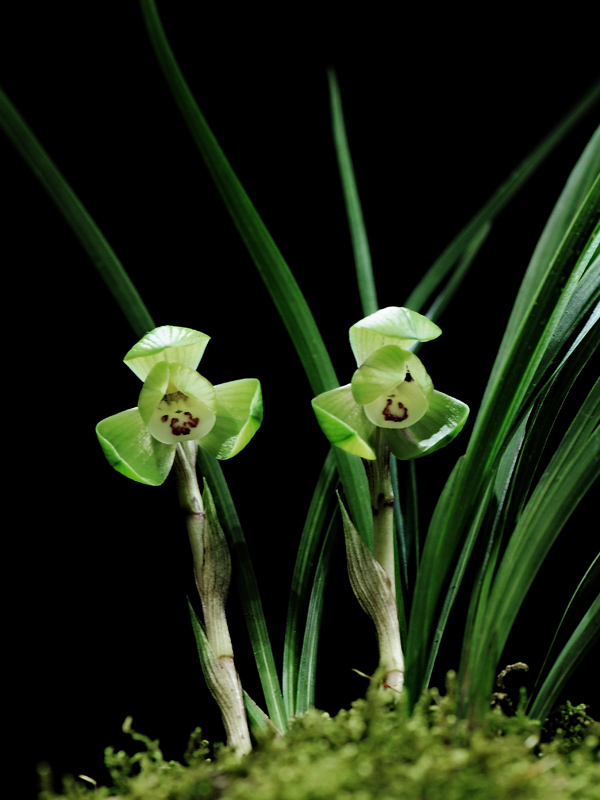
(438, 110)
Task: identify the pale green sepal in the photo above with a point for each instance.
(239, 415)
(167, 343)
(344, 422)
(444, 419)
(392, 325)
(384, 369)
(132, 451)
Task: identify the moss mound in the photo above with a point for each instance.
(373, 752)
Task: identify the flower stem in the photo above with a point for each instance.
(212, 572)
(382, 506)
(190, 500)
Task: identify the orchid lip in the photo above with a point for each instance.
(401, 407)
(179, 415)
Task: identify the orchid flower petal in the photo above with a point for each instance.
(443, 421)
(132, 450)
(384, 369)
(344, 422)
(167, 343)
(392, 325)
(239, 413)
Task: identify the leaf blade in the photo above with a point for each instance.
(70, 206)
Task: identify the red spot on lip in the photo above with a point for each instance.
(165, 418)
(389, 416)
(186, 427)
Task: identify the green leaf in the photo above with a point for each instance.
(76, 215)
(358, 234)
(567, 208)
(167, 343)
(322, 505)
(393, 325)
(522, 362)
(305, 697)
(272, 267)
(444, 297)
(519, 375)
(572, 470)
(580, 643)
(418, 648)
(570, 473)
(274, 271)
(563, 661)
(344, 422)
(513, 490)
(132, 451)
(259, 721)
(406, 525)
(437, 273)
(239, 415)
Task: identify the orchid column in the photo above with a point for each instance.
(178, 411)
(390, 406)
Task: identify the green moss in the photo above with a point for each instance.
(373, 752)
(568, 724)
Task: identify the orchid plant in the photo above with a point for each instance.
(390, 407)
(497, 514)
(178, 411)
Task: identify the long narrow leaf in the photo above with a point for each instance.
(513, 385)
(482, 636)
(271, 265)
(418, 648)
(403, 544)
(572, 470)
(464, 264)
(76, 215)
(322, 503)
(581, 642)
(576, 188)
(584, 609)
(437, 273)
(570, 473)
(358, 233)
(305, 697)
(525, 361)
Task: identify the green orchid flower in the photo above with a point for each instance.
(177, 405)
(390, 392)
